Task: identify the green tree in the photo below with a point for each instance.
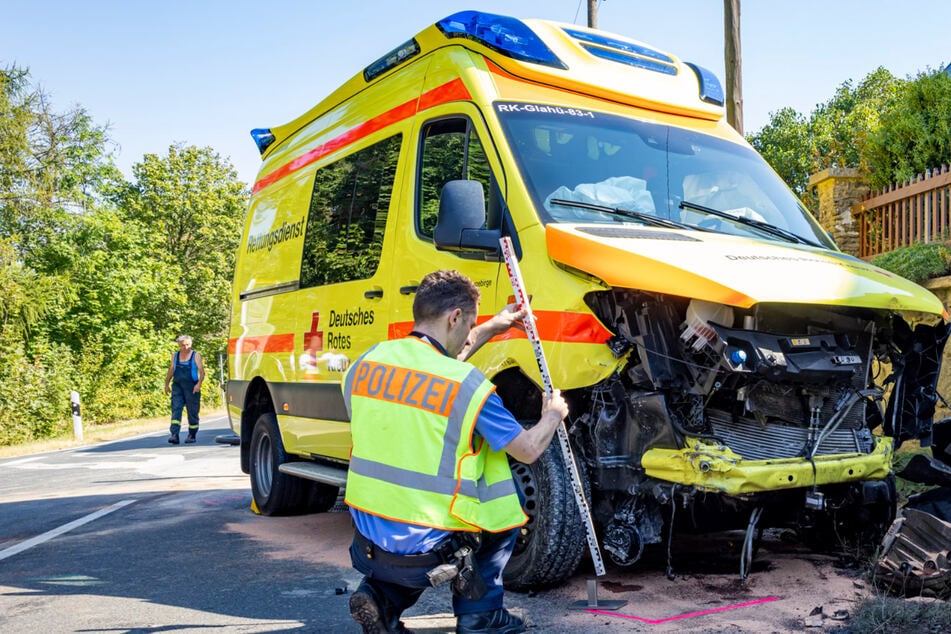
(914, 135)
(52, 165)
(97, 275)
(26, 298)
(190, 205)
(836, 134)
(785, 142)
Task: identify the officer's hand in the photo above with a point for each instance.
(555, 404)
(196, 389)
(504, 319)
(168, 390)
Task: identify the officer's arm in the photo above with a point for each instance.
(531, 443)
(505, 319)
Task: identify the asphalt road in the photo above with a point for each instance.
(138, 535)
(142, 536)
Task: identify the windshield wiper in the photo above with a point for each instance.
(647, 219)
(765, 227)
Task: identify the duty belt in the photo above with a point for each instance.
(375, 553)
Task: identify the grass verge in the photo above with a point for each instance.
(889, 615)
(95, 434)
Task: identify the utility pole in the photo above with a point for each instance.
(592, 14)
(732, 62)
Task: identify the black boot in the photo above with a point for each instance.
(499, 621)
(367, 611)
(190, 438)
(173, 431)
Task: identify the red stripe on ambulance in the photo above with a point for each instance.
(266, 343)
(553, 325)
(454, 90)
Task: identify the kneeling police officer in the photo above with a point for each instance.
(429, 487)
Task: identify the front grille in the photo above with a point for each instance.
(753, 441)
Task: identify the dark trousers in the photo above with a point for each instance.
(398, 587)
(183, 397)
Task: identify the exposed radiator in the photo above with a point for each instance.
(753, 441)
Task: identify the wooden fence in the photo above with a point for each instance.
(904, 214)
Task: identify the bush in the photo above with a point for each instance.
(913, 135)
(34, 399)
(917, 262)
(125, 380)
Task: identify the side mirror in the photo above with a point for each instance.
(461, 220)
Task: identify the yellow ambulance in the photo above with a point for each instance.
(725, 365)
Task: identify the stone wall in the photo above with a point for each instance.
(838, 189)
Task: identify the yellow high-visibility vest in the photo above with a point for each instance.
(413, 412)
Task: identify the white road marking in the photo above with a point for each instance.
(146, 463)
(14, 463)
(150, 434)
(65, 528)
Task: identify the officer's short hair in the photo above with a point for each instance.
(442, 291)
(183, 338)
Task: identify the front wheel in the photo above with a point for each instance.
(274, 493)
(553, 541)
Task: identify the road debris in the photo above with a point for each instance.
(915, 557)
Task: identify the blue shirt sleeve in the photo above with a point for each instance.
(496, 424)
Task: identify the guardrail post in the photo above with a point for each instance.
(77, 417)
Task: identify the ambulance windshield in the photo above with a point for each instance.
(584, 166)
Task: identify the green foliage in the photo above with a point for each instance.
(51, 165)
(26, 298)
(891, 129)
(98, 275)
(835, 134)
(917, 262)
(190, 207)
(34, 399)
(786, 143)
(914, 135)
(125, 374)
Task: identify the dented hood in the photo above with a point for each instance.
(731, 270)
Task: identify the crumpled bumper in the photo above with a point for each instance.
(712, 467)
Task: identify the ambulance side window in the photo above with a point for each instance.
(347, 217)
(449, 150)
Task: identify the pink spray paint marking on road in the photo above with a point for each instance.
(689, 615)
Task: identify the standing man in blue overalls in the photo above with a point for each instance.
(186, 373)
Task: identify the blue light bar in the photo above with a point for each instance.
(392, 59)
(624, 52)
(509, 36)
(710, 89)
(263, 138)
(630, 60)
(627, 47)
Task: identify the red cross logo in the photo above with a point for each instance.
(314, 340)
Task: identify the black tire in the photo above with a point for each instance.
(274, 493)
(322, 497)
(553, 541)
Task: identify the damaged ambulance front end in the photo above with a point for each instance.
(774, 376)
(763, 378)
